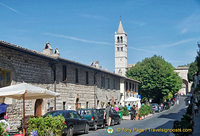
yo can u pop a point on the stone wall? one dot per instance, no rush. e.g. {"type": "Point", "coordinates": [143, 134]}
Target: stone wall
{"type": "Point", "coordinates": [38, 71]}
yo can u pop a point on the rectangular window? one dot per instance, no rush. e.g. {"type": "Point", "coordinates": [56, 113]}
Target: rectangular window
{"type": "Point", "coordinates": [5, 78]}
{"type": "Point", "coordinates": [108, 83]}
{"type": "Point", "coordinates": [64, 73]}
{"type": "Point", "coordinates": [102, 82]}
{"type": "Point", "coordinates": [87, 78]}
{"type": "Point", "coordinates": [133, 85]}
{"type": "Point", "coordinates": [48, 106]}
{"type": "Point", "coordinates": [114, 84]}
{"type": "Point", "coordinates": [95, 78]}
{"type": "Point", "coordinates": [126, 86]}
{"type": "Point", "coordinates": [130, 88]}
{"type": "Point", "coordinates": [64, 103]}
{"type": "Point", "coordinates": [76, 75]}
{"type": "Point", "coordinates": [117, 48]}
{"type": "Point", "coordinates": [136, 88]}
{"type": "Point", "coordinates": [86, 105]}
{"type": "Point", "coordinates": [54, 74]}
{"type": "Point", "coordinates": [121, 48]}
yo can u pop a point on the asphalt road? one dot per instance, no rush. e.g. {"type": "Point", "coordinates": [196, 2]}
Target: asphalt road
{"type": "Point", "coordinates": [163, 120]}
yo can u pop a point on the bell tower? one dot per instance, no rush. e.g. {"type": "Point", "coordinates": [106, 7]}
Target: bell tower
{"type": "Point", "coordinates": [120, 50]}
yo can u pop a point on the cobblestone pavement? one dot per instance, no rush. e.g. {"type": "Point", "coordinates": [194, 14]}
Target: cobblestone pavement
{"type": "Point", "coordinates": [163, 120]}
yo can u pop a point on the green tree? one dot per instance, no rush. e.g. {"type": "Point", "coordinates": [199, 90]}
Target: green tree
{"type": "Point", "coordinates": [157, 77]}
{"type": "Point", "coordinates": [193, 68]}
{"type": "Point", "coordinates": [198, 57]}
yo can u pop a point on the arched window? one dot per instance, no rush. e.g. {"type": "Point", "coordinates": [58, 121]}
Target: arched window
{"type": "Point", "coordinates": [121, 39]}
{"type": "Point", "coordinates": [118, 39]}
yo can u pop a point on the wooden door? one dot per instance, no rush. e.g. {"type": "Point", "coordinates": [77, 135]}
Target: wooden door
{"type": "Point", "coordinates": [38, 107]}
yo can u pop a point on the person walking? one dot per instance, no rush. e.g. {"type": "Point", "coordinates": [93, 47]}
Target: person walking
{"type": "Point", "coordinates": [120, 105]}
{"type": "Point", "coordinates": [129, 107]}
{"type": "Point", "coordinates": [108, 114]}
{"type": "Point", "coordinates": [133, 112]}
{"type": "Point", "coordinates": [136, 112]}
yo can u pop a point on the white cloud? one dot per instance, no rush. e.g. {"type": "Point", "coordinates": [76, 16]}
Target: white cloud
{"type": "Point", "coordinates": [76, 39]}
{"type": "Point", "coordinates": [11, 9]}
{"type": "Point", "coordinates": [183, 31]}
{"type": "Point", "coordinates": [177, 43]}
{"type": "Point", "coordinates": [190, 23]}
{"type": "Point", "coordinates": [143, 50]}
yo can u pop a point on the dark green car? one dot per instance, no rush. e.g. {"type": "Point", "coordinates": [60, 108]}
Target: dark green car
{"type": "Point", "coordinates": [95, 117]}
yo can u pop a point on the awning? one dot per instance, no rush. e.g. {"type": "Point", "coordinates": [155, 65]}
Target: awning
{"type": "Point", "coordinates": [32, 92]}
{"type": "Point", "coordinates": [132, 99]}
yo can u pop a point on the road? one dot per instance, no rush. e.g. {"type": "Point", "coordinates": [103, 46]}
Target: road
{"type": "Point", "coordinates": [163, 120]}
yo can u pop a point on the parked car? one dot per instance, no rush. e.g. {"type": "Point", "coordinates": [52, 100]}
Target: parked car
{"type": "Point", "coordinates": [155, 107]}
{"type": "Point", "coordinates": [161, 107]}
{"type": "Point", "coordinates": [115, 118]}
{"type": "Point", "coordinates": [73, 120]}
{"type": "Point", "coordinates": [95, 117]}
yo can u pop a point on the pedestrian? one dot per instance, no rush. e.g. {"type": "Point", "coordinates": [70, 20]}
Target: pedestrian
{"type": "Point", "coordinates": [116, 108]}
{"type": "Point", "coordinates": [177, 100]}
{"type": "Point", "coordinates": [107, 115]}
{"type": "Point", "coordinates": [136, 112]}
{"type": "Point", "coordinates": [119, 105]}
{"type": "Point", "coordinates": [129, 107]}
{"type": "Point", "coordinates": [133, 112]}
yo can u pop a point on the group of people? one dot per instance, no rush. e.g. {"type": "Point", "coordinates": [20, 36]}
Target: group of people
{"type": "Point", "coordinates": [134, 112]}
{"type": "Point", "coordinates": [109, 109]}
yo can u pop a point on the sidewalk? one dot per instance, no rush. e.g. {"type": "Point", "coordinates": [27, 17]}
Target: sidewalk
{"type": "Point", "coordinates": [196, 127]}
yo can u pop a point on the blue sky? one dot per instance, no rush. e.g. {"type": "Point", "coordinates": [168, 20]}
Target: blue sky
{"type": "Point", "coordinates": [83, 30]}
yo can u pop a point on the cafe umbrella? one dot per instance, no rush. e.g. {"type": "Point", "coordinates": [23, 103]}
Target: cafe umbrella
{"type": "Point", "coordinates": [26, 91]}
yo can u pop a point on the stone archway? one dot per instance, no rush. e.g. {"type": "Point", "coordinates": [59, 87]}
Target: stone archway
{"type": "Point", "coordinates": [38, 107]}
{"type": "Point", "coordinates": [183, 73]}
{"type": "Point", "coordinates": [184, 90]}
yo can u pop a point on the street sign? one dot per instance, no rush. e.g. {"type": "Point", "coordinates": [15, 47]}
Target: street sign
{"type": "Point", "coordinates": [139, 96]}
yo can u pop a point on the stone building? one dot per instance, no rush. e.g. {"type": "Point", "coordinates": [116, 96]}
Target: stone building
{"type": "Point", "coordinates": [186, 86]}
{"type": "Point", "coordinates": [80, 85]}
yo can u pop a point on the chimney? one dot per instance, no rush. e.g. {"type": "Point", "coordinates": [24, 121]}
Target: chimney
{"type": "Point", "coordinates": [47, 49]}
{"type": "Point", "coordinates": [97, 64]}
{"type": "Point", "coordinates": [92, 64]}
{"type": "Point", "coordinates": [56, 52]}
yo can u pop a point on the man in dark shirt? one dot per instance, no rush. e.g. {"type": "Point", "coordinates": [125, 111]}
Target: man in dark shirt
{"type": "Point", "coordinates": [108, 113]}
